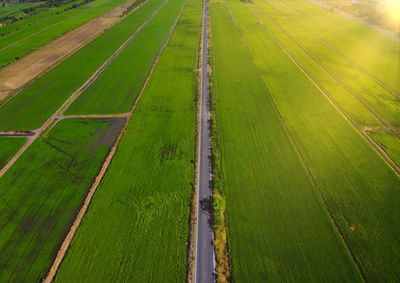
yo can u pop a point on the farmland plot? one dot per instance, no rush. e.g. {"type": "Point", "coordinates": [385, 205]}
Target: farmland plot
{"type": "Point", "coordinates": [278, 228]}
{"type": "Point", "coordinates": [136, 227]}
{"type": "Point", "coordinates": [359, 187]}
{"type": "Point", "coordinates": [42, 191]}
{"type": "Point", "coordinates": [8, 147]}
{"type": "Point", "coordinates": [21, 42]}
{"type": "Point", "coordinates": [30, 108]}
{"type": "Point", "coordinates": [117, 87]}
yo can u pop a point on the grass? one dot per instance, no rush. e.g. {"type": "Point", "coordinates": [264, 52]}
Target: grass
{"type": "Point", "coordinates": [278, 228]}
{"type": "Point", "coordinates": [42, 14]}
{"type": "Point", "coordinates": [41, 193]}
{"type": "Point", "coordinates": [139, 215]}
{"type": "Point", "coordinates": [117, 87]}
{"type": "Point", "coordinates": [389, 143]}
{"type": "Point", "coordinates": [382, 102]}
{"type": "Point", "coordinates": [8, 147]}
{"type": "Point", "coordinates": [32, 106]}
{"type": "Point", "coordinates": [24, 41]}
{"type": "Point", "coordinates": [359, 187]}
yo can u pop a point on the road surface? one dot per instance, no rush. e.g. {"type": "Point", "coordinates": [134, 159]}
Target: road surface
{"type": "Point", "coordinates": [204, 261]}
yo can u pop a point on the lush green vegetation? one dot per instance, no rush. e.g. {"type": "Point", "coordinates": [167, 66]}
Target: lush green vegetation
{"type": "Point", "coordinates": [44, 189]}
{"type": "Point", "coordinates": [33, 19]}
{"type": "Point", "coordinates": [332, 67]}
{"type": "Point", "coordinates": [136, 228]}
{"type": "Point", "coordinates": [21, 42]}
{"type": "Point", "coordinates": [359, 187]}
{"type": "Point", "coordinates": [8, 147]}
{"type": "Point", "coordinates": [389, 143]}
{"type": "Point", "coordinates": [33, 106]}
{"type": "Point", "coordinates": [117, 87]}
{"type": "Point", "coordinates": [278, 227]}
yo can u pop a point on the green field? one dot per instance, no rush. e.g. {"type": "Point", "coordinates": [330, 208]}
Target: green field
{"type": "Point", "coordinates": [136, 228]}
{"type": "Point", "coordinates": [371, 99]}
{"type": "Point", "coordinates": [389, 143]}
{"type": "Point", "coordinates": [32, 106]}
{"type": "Point", "coordinates": [359, 188]}
{"type": "Point", "coordinates": [116, 88]}
{"type": "Point", "coordinates": [44, 189]}
{"type": "Point", "coordinates": [14, 10]}
{"type": "Point", "coordinates": [278, 227]}
{"type": "Point", "coordinates": [19, 43]}
{"type": "Point", "coordinates": [41, 15]}
{"type": "Point", "coordinates": [8, 147]}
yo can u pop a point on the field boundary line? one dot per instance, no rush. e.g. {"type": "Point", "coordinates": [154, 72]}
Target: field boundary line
{"type": "Point", "coordinates": [75, 94]}
{"type": "Point", "coordinates": [11, 93]}
{"type": "Point", "coordinates": [306, 168]}
{"type": "Point", "coordinates": [332, 75]}
{"type": "Point", "coordinates": [67, 241]}
{"type": "Point", "coordinates": [357, 66]}
{"type": "Point", "coordinates": [347, 117]}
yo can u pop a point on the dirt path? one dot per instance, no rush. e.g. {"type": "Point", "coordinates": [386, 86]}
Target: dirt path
{"type": "Point", "coordinates": [330, 98]}
{"type": "Point", "coordinates": [21, 73]}
{"type": "Point", "coordinates": [67, 241]}
{"type": "Point", "coordinates": [53, 120]}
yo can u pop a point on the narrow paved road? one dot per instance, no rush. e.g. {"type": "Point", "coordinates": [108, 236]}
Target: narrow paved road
{"type": "Point", "coordinates": [205, 263]}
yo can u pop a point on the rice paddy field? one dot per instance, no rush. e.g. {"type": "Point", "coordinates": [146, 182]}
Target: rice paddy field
{"type": "Point", "coordinates": [36, 211]}
{"type": "Point", "coordinates": [20, 42]}
{"type": "Point", "coordinates": [99, 154]}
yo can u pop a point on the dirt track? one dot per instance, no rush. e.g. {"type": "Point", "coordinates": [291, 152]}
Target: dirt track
{"type": "Point", "coordinates": [15, 76]}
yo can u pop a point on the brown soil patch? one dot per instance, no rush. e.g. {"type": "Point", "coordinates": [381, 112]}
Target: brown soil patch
{"type": "Point", "coordinates": [19, 74]}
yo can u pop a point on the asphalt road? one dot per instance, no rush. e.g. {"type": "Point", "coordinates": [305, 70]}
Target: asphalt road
{"type": "Point", "coordinates": [205, 260]}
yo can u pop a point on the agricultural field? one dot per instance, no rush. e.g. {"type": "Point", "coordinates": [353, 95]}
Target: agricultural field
{"type": "Point", "coordinates": [350, 177]}
{"type": "Point", "coordinates": [198, 141]}
{"type": "Point", "coordinates": [17, 44]}
{"type": "Point", "coordinates": [36, 211]}
{"type": "Point", "coordinates": [8, 148]}
{"type": "Point", "coordinates": [136, 228]}
{"type": "Point", "coordinates": [31, 107]}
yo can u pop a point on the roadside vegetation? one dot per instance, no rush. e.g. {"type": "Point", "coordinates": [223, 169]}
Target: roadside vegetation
{"type": "Point", "coordinates": [136, 228]}
{"type": "Point", "coordinates": [32, 106]}
{"type": "Point", "coordinates": [43, 190]}
{"type": "Point", "coordinates": [8, 147]}
{"type": "Point", "coordinates": [359, 188]}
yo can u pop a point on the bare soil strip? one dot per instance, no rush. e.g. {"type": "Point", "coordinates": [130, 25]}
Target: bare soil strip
{"type": "Point", "coordinates": [67, 241]}
{"type": "Point", "coordinates": [394, 131]}
{"type": "Point", "coordinates": [21, 73]}
{"type": "Point", "coordinates": [377, 147]}
{"type": "Point", "coordinates": [323, 200]}
{"type": "Point", "coordinates": [16, 134]}
{"type": "Point", "coordinates": [55, 117]}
